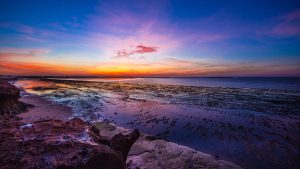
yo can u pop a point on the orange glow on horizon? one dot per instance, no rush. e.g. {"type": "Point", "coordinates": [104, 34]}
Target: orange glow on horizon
{"type": "Point", "coordinates": [134, 68]}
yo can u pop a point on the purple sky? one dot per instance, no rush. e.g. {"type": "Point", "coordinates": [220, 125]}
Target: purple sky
{"type": "Point", "coordinates": [150, 38]}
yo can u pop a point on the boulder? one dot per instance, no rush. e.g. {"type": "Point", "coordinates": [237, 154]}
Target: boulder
{"type": "Point", "coordinates": [9, 103]}
{"type": "Point", "coordinates": [56, 144]}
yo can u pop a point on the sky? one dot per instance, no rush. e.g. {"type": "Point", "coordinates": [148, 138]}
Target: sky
{"type": "Point", "coordinates": [150, 38]}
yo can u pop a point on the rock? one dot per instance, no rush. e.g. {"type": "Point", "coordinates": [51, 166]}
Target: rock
{"type": "Point", "coordinates": [118, 143]}
{"type": "Point", "coordinates": [57, 144]}
{"type": "Point", "coordinates": [160, 154]}
{"type": "Point", "coordinates": [9, 103]}
{"type": "Point", "coordinates": [54, 143]}
{"type": "Point", "coordinates": [105, 125]}
{"type": "Point", "coordinates": [149, 152]}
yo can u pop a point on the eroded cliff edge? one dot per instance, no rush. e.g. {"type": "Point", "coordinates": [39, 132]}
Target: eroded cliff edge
{"type": "Point", "coordinates": [9, 100]}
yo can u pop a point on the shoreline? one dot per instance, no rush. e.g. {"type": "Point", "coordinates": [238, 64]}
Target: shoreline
{"type": "Point", "coordinates": [248, 127]}
{"type": "Point", "coordinates": [43, 110]}
{"type": "Point", "coordinates": [147, 152]}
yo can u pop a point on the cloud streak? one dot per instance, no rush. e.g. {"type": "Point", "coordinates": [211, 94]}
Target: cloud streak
{"type": "Point", "coordinates": [289, 25]}
{"type": "Point", "coordinates": [21, 54]}
{"type": "Point", "coordinates": [139, 49]}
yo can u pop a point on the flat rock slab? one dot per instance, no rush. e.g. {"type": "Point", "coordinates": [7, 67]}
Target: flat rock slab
{"type": "Point", "coordinates": [150, 153]}
{"type": "Point", "coordinates": [160, 154]}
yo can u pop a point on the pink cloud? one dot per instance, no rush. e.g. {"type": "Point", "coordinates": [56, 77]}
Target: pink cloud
{"type": "Point", "coordinates": [139, 49]}
{"type": "Point", "coordinates": [145, 49]}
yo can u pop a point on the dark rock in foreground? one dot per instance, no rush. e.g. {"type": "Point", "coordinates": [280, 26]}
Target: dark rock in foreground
{"type": "Point", "coordinates": [53, 143]}
{"type": "Point", "coordinates": [57, 144]}
{"type": "Point", "coordinates": [9, 103]}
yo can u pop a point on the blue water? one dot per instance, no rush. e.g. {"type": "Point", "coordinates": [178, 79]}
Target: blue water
{"type": "Point", "coordinates": [279, 83]}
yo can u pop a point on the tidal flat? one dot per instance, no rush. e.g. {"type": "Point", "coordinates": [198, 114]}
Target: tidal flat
{"type": "Point", "coordinates": [251, 127]}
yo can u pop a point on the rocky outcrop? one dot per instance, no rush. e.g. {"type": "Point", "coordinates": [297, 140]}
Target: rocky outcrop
{"type": "Point", "coordinates": [9, 103]}
{"type": "Point", "coordinates": [57, 144]}
{"type": "Point", "coordinates": [148, 153]}
{"type": "Point", "coordinates": [53, 143]}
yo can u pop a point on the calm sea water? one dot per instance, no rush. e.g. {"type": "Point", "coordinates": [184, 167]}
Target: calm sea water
{"type": "Point", "coordinates": [253, 122]}
{"type": "Point", "coordinates": [281, 83]}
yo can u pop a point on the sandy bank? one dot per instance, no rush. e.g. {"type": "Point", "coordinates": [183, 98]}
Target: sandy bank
{"type": "Point", "coordinates": [44, 109]}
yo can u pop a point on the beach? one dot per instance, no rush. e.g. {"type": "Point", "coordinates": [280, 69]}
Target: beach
{"type": "Point", "coordinates": [252, 127]}
{"type": "Point", "coordinates": [147, 152]}
{"type": "Point", "coordinates": [44, 109]}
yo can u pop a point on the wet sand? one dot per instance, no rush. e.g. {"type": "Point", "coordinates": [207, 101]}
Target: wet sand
{"type": "Point", "coordinates": [44, 109]}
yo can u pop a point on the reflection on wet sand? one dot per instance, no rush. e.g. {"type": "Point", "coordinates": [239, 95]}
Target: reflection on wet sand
{"type": "Point", "coordinates": [255, 128]}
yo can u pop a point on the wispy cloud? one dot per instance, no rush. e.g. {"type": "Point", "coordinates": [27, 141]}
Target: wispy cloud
{"type": "Point", "coordinates": [40, 68]}
{"type": "Point", "coordinates": [18, 27]}
{"type": "Point", "coordinates": [22, 54]}
{"type": "Point", "coordinates": [289, 25]}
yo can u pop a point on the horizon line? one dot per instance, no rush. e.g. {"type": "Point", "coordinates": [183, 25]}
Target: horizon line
{"type": "Point", "coordinates": [75, 76]}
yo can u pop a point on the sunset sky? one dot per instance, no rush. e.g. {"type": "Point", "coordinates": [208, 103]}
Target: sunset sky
{"type": "Point", "coordinates": [150, 38]}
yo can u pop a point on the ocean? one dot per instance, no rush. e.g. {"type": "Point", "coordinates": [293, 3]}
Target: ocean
{"type": "Point", "coordinates": [253, 122]}
{"type": "Point", "coordinates": [280, 83]}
